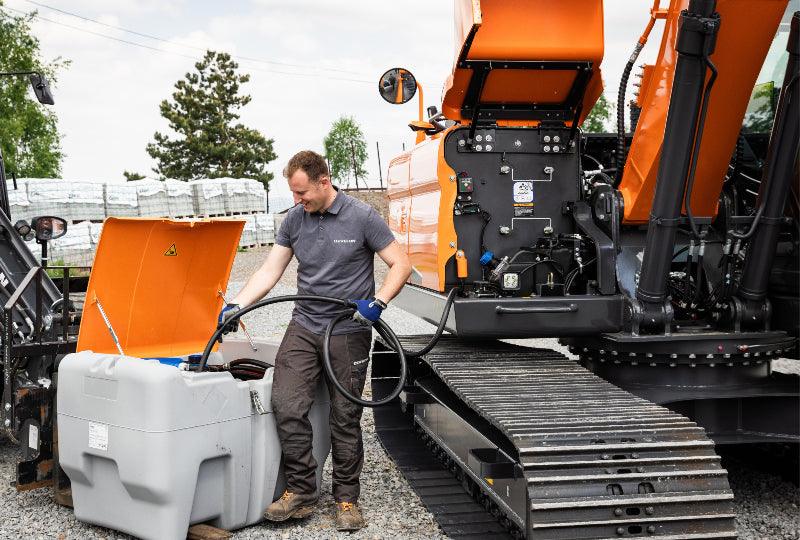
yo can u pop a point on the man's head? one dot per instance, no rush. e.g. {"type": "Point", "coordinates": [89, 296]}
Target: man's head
{"type": "Point", "coordinates": [310, 181]}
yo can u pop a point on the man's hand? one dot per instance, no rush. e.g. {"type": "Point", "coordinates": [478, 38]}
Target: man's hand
{"type": "Point", "coordinates": [224, 317]}
{"type": "Point", "coordinates": [368, 311]}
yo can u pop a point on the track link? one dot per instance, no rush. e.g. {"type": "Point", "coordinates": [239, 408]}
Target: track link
{"type": "Point", "coordinates": [599, 462]}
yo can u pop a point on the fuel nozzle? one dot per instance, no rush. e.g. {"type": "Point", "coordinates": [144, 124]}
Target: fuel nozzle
{"type": "Point", "coordinates": [497, 266]}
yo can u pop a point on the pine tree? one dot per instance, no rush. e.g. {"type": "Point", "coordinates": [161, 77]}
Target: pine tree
{"type": "Point", "coordinates": [346, 151]}
{"type": "Point", "coordinates": [210, 143]}
{"type": "Point", "coordinates": [131, 176]}
{"type": "Point", "coordinates": [29, 136]}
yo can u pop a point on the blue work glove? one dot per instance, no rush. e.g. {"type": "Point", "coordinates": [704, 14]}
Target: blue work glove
{"type": "Point", "coordinates": [368, 311]}
{"type": "Point", "coordinates": [225, 315]}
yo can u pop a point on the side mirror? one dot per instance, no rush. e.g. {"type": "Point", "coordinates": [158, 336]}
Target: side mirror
{"type": "Point", "coordinates": [48, 227]}
{"type": "Point", "coordinates": [24, 230]}
{"type": "Point", "coordinates": [397, 86]}
{"type": "Point", "coordinates": [41, 89]}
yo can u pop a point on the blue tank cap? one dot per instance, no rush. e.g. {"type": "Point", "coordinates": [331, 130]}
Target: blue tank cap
{"type": "Point", "coordinates": [486, 258]}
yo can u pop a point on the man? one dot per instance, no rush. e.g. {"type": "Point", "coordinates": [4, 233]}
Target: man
{"type": "Point", "coordinates": [334, 238]}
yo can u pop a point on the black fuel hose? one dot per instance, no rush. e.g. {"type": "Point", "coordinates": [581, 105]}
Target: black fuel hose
{"type": "Point", "coordinates": [380, 326]}
{"type": "Point", "coordinates": [386, 332]}
{"type": "Point", "coordinates": [390, 337]}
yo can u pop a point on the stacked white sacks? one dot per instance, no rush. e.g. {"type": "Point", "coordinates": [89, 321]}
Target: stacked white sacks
{"type": "Point", "coordinates": [249, 236]}
{"type": "Point", "coordinates": [122, 200]}
{"type": "Point", "coordinates": [209, 197]}
{"type": "Point", "coordinates": [86, 200]}
{"type": "Point", "coordinates": [75, 248]}
{"type": "Point", "coordinates": [257, 196]}
{"type": "Point", "coordinates": [152, 198]}
{"type": "Point", "coordinates": [265, 229]}
{"type": "Point", "coordinates": [18, 201]}
{"type": "Point", "coordinates": [49, 198]}
{"type": "Point", "coordinates": [179, 198]}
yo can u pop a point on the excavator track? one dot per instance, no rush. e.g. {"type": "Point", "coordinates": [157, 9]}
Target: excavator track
{"type": "Point", "coordinates": [556, 452]}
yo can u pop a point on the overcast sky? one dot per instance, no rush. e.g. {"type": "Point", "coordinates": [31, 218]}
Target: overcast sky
{"type": "Point", "coordinates": [317, 60]}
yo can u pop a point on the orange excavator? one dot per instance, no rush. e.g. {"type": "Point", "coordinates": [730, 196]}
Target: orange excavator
{"type": "Point", "coordinates": [664, 255]}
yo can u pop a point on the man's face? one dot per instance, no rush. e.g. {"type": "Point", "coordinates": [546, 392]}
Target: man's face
{"type": "Point", "coordinates": [312, 195]}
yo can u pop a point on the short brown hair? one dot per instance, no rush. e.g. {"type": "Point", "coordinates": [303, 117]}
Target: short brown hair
{"type": "Point", "coordinates": [311, 163]}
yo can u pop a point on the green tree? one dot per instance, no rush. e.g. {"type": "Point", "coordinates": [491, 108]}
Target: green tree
{"type": "Point", "coordinates": [760, 112]}
{"type": "Point", "coordinates": [29, 136]}
{"type": "Point", "coordinates": [598, 117]}
{"type": "Point", "coordinates": [210, 143]}
{"type": "Point", "coordinates": [130, 176]}
{"type": "Point", "coordinates": [346, 151]}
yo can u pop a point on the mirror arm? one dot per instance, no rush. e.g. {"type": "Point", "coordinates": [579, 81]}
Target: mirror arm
{"type": "Point", "coordinates": [420, 96]}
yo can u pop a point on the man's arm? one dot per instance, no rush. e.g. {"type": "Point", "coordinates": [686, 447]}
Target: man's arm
{"type": "Point", "coordinates": [262, 281]}
{"type": "Point", "coordinates": [399, 269]}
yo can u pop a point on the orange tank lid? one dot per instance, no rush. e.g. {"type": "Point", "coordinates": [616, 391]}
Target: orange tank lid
{"type": "Point", "coordinates": [158, 281]}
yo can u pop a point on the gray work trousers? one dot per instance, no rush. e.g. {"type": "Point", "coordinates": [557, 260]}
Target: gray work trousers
{"type": "Point", "coordinates": [298, 367]}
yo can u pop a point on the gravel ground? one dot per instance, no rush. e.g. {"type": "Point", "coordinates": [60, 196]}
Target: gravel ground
{"type": "Point", "coordinates": [766, 505]}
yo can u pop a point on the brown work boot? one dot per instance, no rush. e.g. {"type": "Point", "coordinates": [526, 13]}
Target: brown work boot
{"type": "Point", "coordinates": [348, 517]}
{"type": "Point", "coordinates": [291, 505]}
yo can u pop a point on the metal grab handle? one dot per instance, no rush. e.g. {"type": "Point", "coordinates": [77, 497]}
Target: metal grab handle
{"type": "Point", "coordinates": [568, 308]}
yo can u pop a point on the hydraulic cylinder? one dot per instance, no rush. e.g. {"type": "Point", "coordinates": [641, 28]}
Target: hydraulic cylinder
{"type": "Point", "coordinates": [696, 38]}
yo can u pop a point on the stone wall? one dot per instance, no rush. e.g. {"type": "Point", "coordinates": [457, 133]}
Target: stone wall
{"type": "Point", "coordinates": [374, 197]}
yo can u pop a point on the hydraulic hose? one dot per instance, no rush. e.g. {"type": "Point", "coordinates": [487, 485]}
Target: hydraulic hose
{"type": "Point", "coordinates": [698, 138]}
{"type": "Point", "coordinates": [247, 367]}
{"type": "Point", "coordinates": [621, 155]}
{"type": "Point", "coordinates": [623, 85]}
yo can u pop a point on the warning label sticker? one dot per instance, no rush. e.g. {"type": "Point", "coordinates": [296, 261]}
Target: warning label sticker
{"type": "Point", "coordinates": [523, 191]}
{"type": "Point", "coordinates": [171, 252]}
{"type": "Point", "coordinates": [98, 436]}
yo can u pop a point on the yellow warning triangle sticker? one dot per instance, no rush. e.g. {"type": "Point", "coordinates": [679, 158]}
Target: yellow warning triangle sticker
{"type": "Point", "coordinates": [171, 252]}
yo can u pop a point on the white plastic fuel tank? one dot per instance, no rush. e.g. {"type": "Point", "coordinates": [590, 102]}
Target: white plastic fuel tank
{"type": "Point", "coordinates": [151, 449]}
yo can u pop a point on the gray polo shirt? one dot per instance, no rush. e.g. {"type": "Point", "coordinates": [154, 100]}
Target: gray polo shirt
{"type": "Point", "coordinates": [335, 254]}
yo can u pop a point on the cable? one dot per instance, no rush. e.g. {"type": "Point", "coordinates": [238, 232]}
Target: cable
{"type": "Point", "coordinates": [163, 40]}
{"type": "Point", "coordinates": [556, 266]}
{"type": "Point", "coordinates": [570, 278]}
{"type": "Point", "coordinates": [439, 329]}
{"type": "Point", "coordinates": [155, 49]}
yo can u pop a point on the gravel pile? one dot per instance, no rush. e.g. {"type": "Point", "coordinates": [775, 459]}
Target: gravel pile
{"type": "Point", "coordinates": [766, 505]}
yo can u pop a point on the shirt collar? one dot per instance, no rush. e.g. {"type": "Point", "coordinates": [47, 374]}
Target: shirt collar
{"type": "Point", "coordinates": [337, 203]}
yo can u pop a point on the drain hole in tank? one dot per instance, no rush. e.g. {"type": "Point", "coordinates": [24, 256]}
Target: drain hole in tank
{"type": "Point", "coordinates": [646, 487]}
{"type": "Point", "coordinates": [623, 471]}
{"type": "Point", "coordinates": [633, 511]}
{"type": "Point", "coordinates": [620, 456]}
{"type": "Point", "coordinates": [598, 441]}
{"type": "Point", "coordinates": [614, 489]}
{"type": "Point", "coordinates": [635, 529]}
{"type": "Point", "coordinates": [627, 439]}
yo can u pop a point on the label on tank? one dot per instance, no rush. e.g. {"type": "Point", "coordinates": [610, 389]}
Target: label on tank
{"type": "Point", "coordinates": [523, 211]}
{"type": "Point", "coordinates": [523, 191]}
{"type": "Point", "coordinates": [98, 436]}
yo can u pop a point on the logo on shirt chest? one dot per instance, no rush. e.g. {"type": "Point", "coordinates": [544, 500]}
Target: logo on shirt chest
{"type": "Point", "coordinates": [344, 241]}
